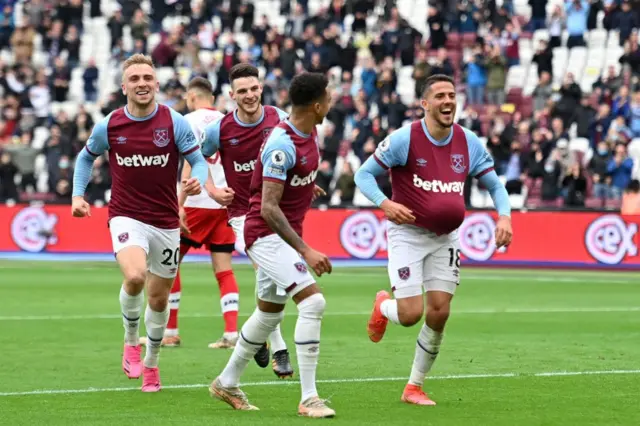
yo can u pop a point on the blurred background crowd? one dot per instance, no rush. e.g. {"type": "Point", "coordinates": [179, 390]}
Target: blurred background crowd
{"type": "Point", "coordinates": [551, 86]}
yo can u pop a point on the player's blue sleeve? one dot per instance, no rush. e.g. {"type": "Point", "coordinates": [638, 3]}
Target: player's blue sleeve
{"type": "Point", "coordinates": [365, 179]}
{"type": "Point", "coordinates": [480, 159]}
{"type": "Point", "coordinates": [184, 137]}
{"type": "Point", "coordinates": [393, 151]}
{"type": "Point", "coordinates": [199, 166]}
{"type": "Point", "coordinates": [211, 139]}
{"type": "Point", "coordinates": [278, 155]}
{"type": "Point", "coordinates": [96, 145]}
{"type": "Point", "coordinates": [282, 114]}
{"type": "Point", "coordinates": [498, 192]}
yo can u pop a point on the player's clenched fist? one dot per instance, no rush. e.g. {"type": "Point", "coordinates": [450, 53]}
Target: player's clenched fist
{"type": "Point", "coordinates": [191, 186]}
{"type": "Point", "coordinates": [397, 213]}
{"type": "Point", "coordinates": [504, 232]}
{"type": "Point", "coordinates": [79, 207]}
{"type": "Point", "coordinates": [319, 262]}
{"type": "Point", "coordinates": [222, 196]}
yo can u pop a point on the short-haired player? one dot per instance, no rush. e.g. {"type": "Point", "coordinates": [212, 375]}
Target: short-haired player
{"type": "Point", "coordinates": [430, 161]}
{"type": "Point", "coordinates": [237, 139]}
{"type": "Point", "coordinates": [282, 190]}
{"type": "Point", "coordinates": [144, 141]}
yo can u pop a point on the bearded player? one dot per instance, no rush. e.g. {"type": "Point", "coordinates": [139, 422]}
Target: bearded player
{"type": "Point", "coordinates": [429, 161]}
{"type": "Point", "coordinates": [281, 193]}
{"type": "Point", "coordinates": [237, 139]}
{"type": "Point", "coordinates": [144, 141]}
{"type": "Point", "coordinates": [203, 221]}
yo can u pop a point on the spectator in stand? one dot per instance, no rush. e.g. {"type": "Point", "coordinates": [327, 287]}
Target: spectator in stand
{"type": "Point", "coordinates": [543, 58]}
{"type": "Point", "coordinates": [535, 162]}
{"type": "Point", "coordinates": [619, 132]}
{"type": "Point", "coordinates": [574, 187]}
{"type": "Point", "coordinates": [438, 36]}
{"type": "Point", "coordinates": [600, 127]}
{"type": "Point", "coordinates": [577, 13]}
{"type": "Point", "coordinates": [538, 14]}
{"type": "Point", "coordinates": [551, 177]}
{"type": "Point", "coordinates": [557, 23]}
{"type": "Point", "coordinates": [468, 16]}
{"type": "Point", "coordinates": [626, 20]}
{"type": "Point", "coordinates": [496, 76]}
{"type": "Point", "coordinates": [345, 185]}
{"type": "Point", "coordinates": [543, 91]}
{"type": "Point", "coordinates": [90, 77]}
{"type": "Point", "coordinates": [24, 158]}
{"type": "Point", "coordinates": [620, 168]}
{"type": "Point", "coordinates": [22, 42]}
{"type": "Point", "coordinates": [8, 172]}
{"type": "Point", "coordinates": [631, 57]}
{"type": "Point", "coordinates": [634, 116]}
{"type": "Point", "coordinates": [584, 116]}
{"type": "Point", "coordinates": [442, 64]}
{"type": "Point", "coordinates": [476, 71]}
{"type": "Point", "coordinates": [515, 172]}
{"type": "Point", "coordinates": [598, 167]}
{"type": "Point", "coordinates": [469, 119]}
{"type": "Point", "coordinates": [570, 99]}
{"type": "Point", "coordinates": [60, 79]}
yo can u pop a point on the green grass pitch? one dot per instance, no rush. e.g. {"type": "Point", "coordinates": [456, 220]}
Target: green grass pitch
{"type": "Point", "coordinates": [521, 348]}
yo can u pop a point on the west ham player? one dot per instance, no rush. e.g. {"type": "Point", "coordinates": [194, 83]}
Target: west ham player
{"type": "Point", "coordinates": [203, 221]}
{"type": "Point", "coordinates": [144, 141]}
{"type": "Point", "coordinates": [281, 193]}
{"type": "Point", "coordinates": [238, 138]}
{"type": "Point", "coordinates": [429, 160]}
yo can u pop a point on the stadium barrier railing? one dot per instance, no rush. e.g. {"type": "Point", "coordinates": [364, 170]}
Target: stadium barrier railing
{"type": "Point", "coordinates": [357, 237]}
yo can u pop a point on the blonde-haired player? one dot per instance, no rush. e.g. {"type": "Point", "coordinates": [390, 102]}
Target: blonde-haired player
{"type": "Point", "coordinates": [144, 141]}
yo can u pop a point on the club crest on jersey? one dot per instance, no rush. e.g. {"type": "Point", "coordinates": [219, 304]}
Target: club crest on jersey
{"type": "Point", "coordinates": [266, 132]}
{"type": "Point", "coordinates": [124, 237]}
{"type": "Point", "coordinates": [234, 142]}
{"type": "Point", "coordinates": [457, 163]}
{"type": "Point", "coordinates": [404, 273]}
{"type": "Point", "coordinates": [161, 137]}
{"type": "Point", "coordinates": [301, 267]}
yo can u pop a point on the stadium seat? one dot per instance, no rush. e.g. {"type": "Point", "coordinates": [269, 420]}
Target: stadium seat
{"type": "Point", "coordinates": [614, 204]}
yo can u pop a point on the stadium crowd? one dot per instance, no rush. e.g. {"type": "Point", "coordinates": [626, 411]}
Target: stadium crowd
{"type": "Point", "coordinates": [561, 131]}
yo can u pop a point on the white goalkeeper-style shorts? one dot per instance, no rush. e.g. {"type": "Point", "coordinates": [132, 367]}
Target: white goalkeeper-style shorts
{"type": "Point", "coordinates": [237, 223]}
{"type": "Point", "coordinates": [162, 246]}
{"type": "Point", "coordinates": [420, 261]}
{"type": "Point", "coordinates": [281, 272]}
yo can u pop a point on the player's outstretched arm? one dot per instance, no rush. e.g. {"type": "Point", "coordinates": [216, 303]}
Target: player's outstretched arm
{"type": "Point", "coordinates": [96, 145]}
{"type": "Point", "coordinates": [277, 221]}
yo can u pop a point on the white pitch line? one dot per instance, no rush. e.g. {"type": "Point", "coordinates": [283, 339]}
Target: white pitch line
{"type": "Point", "coordinates": [331, 381]}
{"type": "Point", "coordinates": [560, 310]}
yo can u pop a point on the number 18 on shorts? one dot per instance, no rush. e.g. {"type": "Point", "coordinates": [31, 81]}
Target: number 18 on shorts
{"type": "Point", "coordinates": [421, 261]}
{"type": "Point", "coordinates": [161, 245]}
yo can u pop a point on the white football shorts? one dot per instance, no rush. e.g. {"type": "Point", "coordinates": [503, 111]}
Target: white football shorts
{"type": "Point", "coordinates": [420, 261]}
{"type": "Point", "coordinates": [281, 272]}
{"type": "Point", "coordinates": [237, 223]}
{"type": "Point", "coordinates": [161, 245]}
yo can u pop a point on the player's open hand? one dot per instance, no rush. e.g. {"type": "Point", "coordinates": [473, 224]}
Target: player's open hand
{"type": "Point", "coordinates": [222, 196]}
{"type": "Point", "coordinates": [184, 227]}
{"type": "Point", "coordinates": [191, 186]}
{"type": "Point", "coordinates": [319, 262]}
{"type": "Point", "coordinates": [318, 192]}
{"type": "Point", "coordinates": [79, 207]}
{"type": "Point", "coordinates": [397, 213]}
{"type": "Point", "coordinates": [504, 232]}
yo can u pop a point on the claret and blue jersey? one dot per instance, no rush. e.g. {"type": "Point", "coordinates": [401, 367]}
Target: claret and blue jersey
{"type": "Point", "coordinates": [428, 175]}
{"type": "Point", "coordinates": [144, 154]}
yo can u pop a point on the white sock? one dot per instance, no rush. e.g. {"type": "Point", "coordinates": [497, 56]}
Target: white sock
{"type": "Point", "coordinates": [389, 310]}
{"type": "Point", "coordinates": [252, 336]}
{"type": "Point", "coordinates": [131, 307]}
{"type": "Point", "coordinates": [427, 349]}
{"type": "Point", "coordinates": [276, 342]}
{"type": "Point", "coordinates": [231, 335]}
{"type": "Point", "coordinates": [155, 323]}
{"type": "Point", "coordinates": [307, 338]}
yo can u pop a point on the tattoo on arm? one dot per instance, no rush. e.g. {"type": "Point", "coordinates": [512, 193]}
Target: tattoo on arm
{"type": "Point", "coordinates": [275, 218]}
